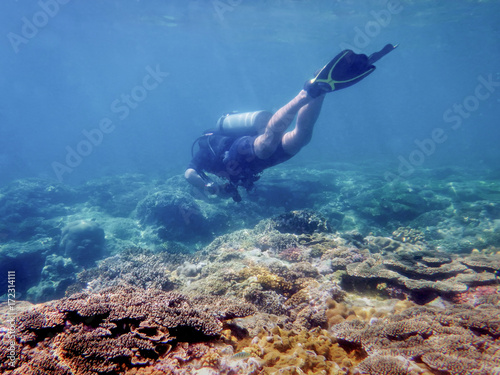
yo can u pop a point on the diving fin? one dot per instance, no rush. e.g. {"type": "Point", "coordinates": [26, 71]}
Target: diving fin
{"type": "Point", "coordinates": [374, 57]}
{"type": "Point", "coordinates": [344, 70]}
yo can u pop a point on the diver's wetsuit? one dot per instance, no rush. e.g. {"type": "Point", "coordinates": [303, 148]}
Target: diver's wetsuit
{"type": "Point", "coordinates": [234, 159]}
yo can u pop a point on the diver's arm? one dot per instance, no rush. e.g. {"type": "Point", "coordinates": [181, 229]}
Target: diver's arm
{"type": "Point", "coordinates": [194, 178]}
{"type": "Point", "coordinates": [204, 184]}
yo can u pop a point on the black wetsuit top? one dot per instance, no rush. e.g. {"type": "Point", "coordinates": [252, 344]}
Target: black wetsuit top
{"type": "Point", "coordinates": [234, 159]}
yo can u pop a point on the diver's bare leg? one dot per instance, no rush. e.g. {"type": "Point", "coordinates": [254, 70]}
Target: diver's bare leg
{"type": "Point", "coordinates": [300, 136]}
{"type": "Point", "coordinates": [265, 144]}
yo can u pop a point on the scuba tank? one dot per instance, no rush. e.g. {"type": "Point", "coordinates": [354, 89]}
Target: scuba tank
{"type": "Point", "coordinates": [235, 125]}
{"type": "Point", "coordinates": [232, 125]}
{"type": "Point", "coordinates": [240, 124]}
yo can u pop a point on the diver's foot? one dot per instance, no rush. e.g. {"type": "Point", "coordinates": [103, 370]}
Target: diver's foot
{"type": "Point", "coordinates": [344, 70]}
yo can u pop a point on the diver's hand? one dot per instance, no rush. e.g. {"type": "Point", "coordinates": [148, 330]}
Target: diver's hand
{"type": "Point", "coordinates": [225, 191]}
{"type": "Point", "coordinates": [221, 190]}
{"type": "Point", "coordinates": [212, 188]}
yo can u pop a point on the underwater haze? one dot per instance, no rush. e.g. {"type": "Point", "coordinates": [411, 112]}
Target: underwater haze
{"type": "Point", "coordinates": [375, 250]}
{"type": "Point", "coordinates": [77, 102]}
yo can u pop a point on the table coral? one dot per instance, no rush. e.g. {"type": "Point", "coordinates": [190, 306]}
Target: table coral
{"type": "Point", "coordinates": [119, 328]}
{"type": "Point", "coordinates": [388, 365]}
{"type": "Point", "coordinates": [418, 274]}
{"type": "Point", "coordinates": [458, 340]}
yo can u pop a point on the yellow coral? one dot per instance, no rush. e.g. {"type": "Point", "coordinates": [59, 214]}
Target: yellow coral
{"type": "Point", "coordinates": [306, 352]}
{"type": "Point", "coordinates": [338, 312]}
{"type": "Point", "coordinates": [382, 286]}
{"type": "Point", "coordinates": [266, 279]}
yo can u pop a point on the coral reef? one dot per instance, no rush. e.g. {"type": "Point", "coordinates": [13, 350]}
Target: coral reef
{"type": "Point", "coordinates": [301, 222]}
{"type": "Point", "coordinates": [83, 242]}
{"type": "Point", "coordinates": [26, 207]}
{"type": "Point", "coordinates": [385, 294]}
{"type": "Point", "coordinates": [418, 272]}
{"type": "Point", "coordinates": [458, 340]}
{"type": "Point", "coordinates": [304, 352]}
{"type": "Point", "coordinates": [56, 275]}
{"type": "Point", "coordinates": [410, 235]}
{"type": "Point", "coordinates": [398, 204]}
{"type": "Point", "coordinates": [134, 266]}
{"type": "Point", "coordinates": [456, 212]}
{"type": "Point", "coordinates": [28, 258]}
{"type": "Point", "coordinates": [176, 214]}
{"type": "Point", "coordinates": [117, 195]}
{"type": "Point", "coordinates": [115, 330]}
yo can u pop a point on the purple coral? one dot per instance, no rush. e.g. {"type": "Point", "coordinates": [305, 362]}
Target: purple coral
{"type": "Point", "coordinates": [116, 329]}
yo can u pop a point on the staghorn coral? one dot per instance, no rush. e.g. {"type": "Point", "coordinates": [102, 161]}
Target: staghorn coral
{"type": "Point", "coordinates": [276, 240]}
{"type": "Point", "coordinates": [341, 256]}
{"type": "Point", "coordinates": [449, 341]}
{"type": "Point", "coordinates": [119, 328]}
{"type": "Point", "coordinates": [267, 280]}
{"type": "Point", "coordinates": [267, 301]}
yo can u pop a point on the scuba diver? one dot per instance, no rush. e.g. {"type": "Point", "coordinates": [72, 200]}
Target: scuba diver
{"type": "Point", "coordinates": [243, 145]}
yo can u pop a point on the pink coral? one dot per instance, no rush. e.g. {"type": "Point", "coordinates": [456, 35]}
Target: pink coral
{"type": "Point", "coordinates": [479, 295]}
{"type": "Point", "coordinates": [291, 254]}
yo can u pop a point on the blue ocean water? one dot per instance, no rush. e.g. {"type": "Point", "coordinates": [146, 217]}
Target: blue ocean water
{"type": "Point", "coordinates": [394, 205]}
{"type": "Point", "coordinates": [102, 88]}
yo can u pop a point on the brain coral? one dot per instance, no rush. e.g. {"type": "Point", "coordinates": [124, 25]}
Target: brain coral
{"type": "Point", "coordinates": [83, 242]}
